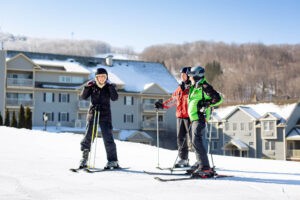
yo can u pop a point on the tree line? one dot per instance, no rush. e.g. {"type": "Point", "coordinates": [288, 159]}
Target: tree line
{"type": "Point", "coordinates": [24, 119]}
{"type": "Point", "coordinates": [242, 72]}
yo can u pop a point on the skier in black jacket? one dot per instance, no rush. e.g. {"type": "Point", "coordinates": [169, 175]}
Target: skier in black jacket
{"type": "Point", "coordinates": [100, 91]}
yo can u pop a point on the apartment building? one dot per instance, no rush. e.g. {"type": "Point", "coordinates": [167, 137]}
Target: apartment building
{"type": "Point", "coordinates": [51, 83]}
{"type": "Point", "coordinates": [256, 131]}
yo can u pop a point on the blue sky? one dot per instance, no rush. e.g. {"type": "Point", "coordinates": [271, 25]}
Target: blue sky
{"type": "Point", "coordinates": [142, 23]}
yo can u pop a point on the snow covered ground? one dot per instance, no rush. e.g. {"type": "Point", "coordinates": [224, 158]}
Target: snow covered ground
{"type": "Point", "coordinates": [35, 165]}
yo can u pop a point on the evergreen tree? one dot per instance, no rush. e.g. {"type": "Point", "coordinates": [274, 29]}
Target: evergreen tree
{"type": "Point", "coordinates": [21, 117]}
{"type": "Point", "coordinates": [1, 120]}
{"type": "Point", "coordinates": [7, 118]}
{"type": "Point", "coordinates": [14, 122]}
{"type": "Point", "coordinates": [28, 118]}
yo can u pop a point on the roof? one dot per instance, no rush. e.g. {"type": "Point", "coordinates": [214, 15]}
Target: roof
{"type": "Point", "coordinates": [294, 134]}
{"type": "Point", "coordinates": [249, 111]}
{"type": "Point", "coordinates": [139, 75]}
{"type": "Point", "coordinates": [69, 65]}
{"type": "Point", "coordinates": [126, 134]}
{"type": "Point", "coordinates": [258, 111]}
{"type": "Point", "coordinates": [130, 75]}
{"type": "Point", "coordinates": [238, 143]}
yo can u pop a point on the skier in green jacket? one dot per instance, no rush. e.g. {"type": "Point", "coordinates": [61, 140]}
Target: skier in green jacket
{"type": "Point", "coordinates": [202, 97]}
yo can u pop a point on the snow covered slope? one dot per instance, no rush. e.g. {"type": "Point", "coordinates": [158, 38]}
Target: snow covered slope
{"type": "Point", "coordinates": [35, 166]}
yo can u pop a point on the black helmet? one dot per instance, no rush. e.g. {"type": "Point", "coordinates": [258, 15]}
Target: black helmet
{"type": "Point", "coordinates": [101, 71]}
{"type": "Point", "coordinates": [197, 72]}
{"type": "Point", "coordinates": [185, 70]}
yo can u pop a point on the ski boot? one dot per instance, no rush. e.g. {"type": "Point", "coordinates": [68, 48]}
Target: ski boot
{"type": "Point", "coordinates": [182, 163]}
{"type": "Point", "coordinates": [194, 167]}
{"type": "Point", "coordinates": [112, 165]}
{"type": "Point", "coordinates": [85, 157]}
{"type": "Point", "coordinates": [203, 172]}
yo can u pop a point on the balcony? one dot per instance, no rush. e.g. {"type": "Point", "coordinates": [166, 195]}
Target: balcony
{"type": "Point", "coordinates": [151, 108]}
{"type": "Point", "coordinates": [293, 154]}
{"type": "Point", "coordinates": [18, 102]}
{"type": "Point", "coordinates": [151, 125]}
{"type": "Point", "coordinates": [19, 82]}
{"type": "Point", "coordinates": [84, 105]}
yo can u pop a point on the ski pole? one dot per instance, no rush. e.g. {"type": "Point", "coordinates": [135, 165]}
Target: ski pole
{"type": "Point", "coordinates": [157, 138]}
{"type": "Point", "coordinates": [209, 142]}
{"type": "Point", "coordinates": [96, 137]}
{"type": "Point", "coordinates": [180, 148]}
{"type": "Point", "coordinates": [93, 133]}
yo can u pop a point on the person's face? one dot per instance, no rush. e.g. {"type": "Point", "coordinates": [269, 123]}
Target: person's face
{"type": "Point", "coordinates": [101, 78]}
{"type": "Point", "coordinates": [183, 77]}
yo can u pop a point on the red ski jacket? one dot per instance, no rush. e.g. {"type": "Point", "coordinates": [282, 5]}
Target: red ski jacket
{"type": "Point", "coordinates": [180, 100]}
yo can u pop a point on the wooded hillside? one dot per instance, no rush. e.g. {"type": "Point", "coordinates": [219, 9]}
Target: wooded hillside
{"type": "Point", "coordinates": [243, 73]}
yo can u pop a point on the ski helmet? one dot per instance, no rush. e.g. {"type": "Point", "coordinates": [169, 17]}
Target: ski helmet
{"type": "Point", "coordinates": [197, 72]}
{"type": "Point", "coordinates": [101, 71]}
{"type": "Point", "coordinates": [185, 70]}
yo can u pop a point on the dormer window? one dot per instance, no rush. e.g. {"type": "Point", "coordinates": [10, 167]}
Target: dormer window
{"type": "Point", "coordinates": [269, 129]}
{"type": "Point", "coordinates": [268, 125]}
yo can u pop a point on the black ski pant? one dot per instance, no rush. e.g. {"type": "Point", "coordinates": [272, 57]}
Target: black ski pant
{"type": "Point", "coordinates": [109, 143]}
{"type": "Point", "coordinates": [198, 132]}
{"type": "Point", "coordinates": [183, 137]}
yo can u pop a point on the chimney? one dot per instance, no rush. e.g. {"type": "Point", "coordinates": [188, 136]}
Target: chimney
{"type": "Point", "coordinates": [108, 60]}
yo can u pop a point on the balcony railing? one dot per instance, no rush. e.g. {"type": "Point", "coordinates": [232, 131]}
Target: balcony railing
{"type": "Point", "coordinates": [148, 107]}
{"type": "Point", "coordinates": [18, 102]}
{"type": "Point", "coordinates": [83, 104]}
{"type": "Point", "coordinates": [153, 125]}
{"type": "Point", "coordinates": [293, 153]}
{"type": "Point", "coordinates": [21, 82]}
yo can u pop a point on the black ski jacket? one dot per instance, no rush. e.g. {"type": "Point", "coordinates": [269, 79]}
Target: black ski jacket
{"type": "Point", "coordinates": [100, 100]}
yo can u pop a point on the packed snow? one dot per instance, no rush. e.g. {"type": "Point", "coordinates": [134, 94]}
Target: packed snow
{"type": "Point", "coordinates": [35, 166]}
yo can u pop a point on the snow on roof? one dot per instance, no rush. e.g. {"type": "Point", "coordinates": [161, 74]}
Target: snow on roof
{"type": "Point", "coordinates": [125, 134]}
{"type": "Point", "coordinates": [137, 75]}
{"type": "Point", "coordinates": [118, 56]}
{"type": "Point", "coordinates": [294, 134]}
{"type": "Point", "coordinates": [250, 111]}
{"type": "Point", "coordinates": [70, 65]}
{"type": "Point", "coordinates": [260, 109]}
{"type": "Point", "coordinates": [239, 144]}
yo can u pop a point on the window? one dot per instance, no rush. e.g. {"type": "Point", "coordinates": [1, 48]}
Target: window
{"type": "Point", "coordinates": [128, 118]}
{"type": "Point", "coordinates": [226, 126]}
{"type": "Point", "coordinates": [270, 145]}
{"type": "Point", "coordinates": [50, 116]}
{"type": "Point", "coordinates": [250, 143]}
{"type": "Point", "coordinates": [250, 126]}
{"type": "Point", "coordinates": [268, 125]}
{"type": "Point", "coordinates": [234, 126]}
{"type": "Point", "coordinates": [64, 98]}
{"type": "Point", "coordinates": [128, 100]}
{"type": "Point", "coordinates": [242, 126]}
{"type": "Point", "coordinates": [71, 79]}
{"type": "Point", "coordinates": [63, 117]}
{"type": "Point", "coordinates": [48, 97]}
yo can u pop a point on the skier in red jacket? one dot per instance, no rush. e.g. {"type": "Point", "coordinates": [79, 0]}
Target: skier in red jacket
{"type": "Point", "coordinates": [180, 100]}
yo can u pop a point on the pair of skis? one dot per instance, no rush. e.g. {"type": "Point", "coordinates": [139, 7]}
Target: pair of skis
{"type": "Point", "coordinates": [187, 175]}
{"type": "Point", "coordinates": [94, 170]}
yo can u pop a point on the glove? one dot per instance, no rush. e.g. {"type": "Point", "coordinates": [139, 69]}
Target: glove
{"type": "Point", "coordinates": [205, 105]}
{"type": "Point", "coordinates": [91, 83]}
{"type": "Point", "coordinates": [159, 105]}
